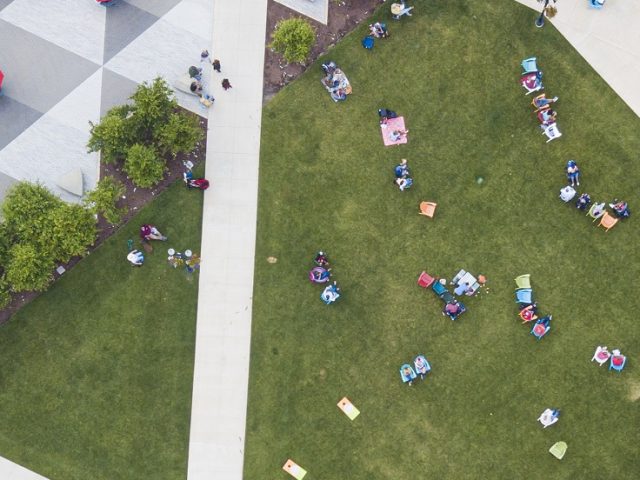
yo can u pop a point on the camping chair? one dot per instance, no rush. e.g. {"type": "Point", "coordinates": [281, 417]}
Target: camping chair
{"type": "Point", "coordinates": [552, 132]}
{"type": "Point", "coordinates": [461, 309]}
{"type": "Point", "coordinates": [528, 313]}
{"type": "Point", "coordinates": [597, 4]}
{"type": "Point", "coordinates": [529, 65]}
{"type": "Point", "coordinates": [523, 281]}
{"type": "Point", "coordinates": [330, 294]}
{"type": "Point", "coordinates": [421, 365]}
{"type": "Point", "coordinates": [601, 356]}
{"type": "Point", "coordinates": [425, 280]}
{"type": "Point", "coordinates": [558, 450]}
{"type": "Point", "coordinates": [567, 193]}
{"type": "Point", "coordinates": [400, 9]}
{"type": "Point", "coordinates": [428, 209]}
{"type": "Point", "coordinates": [541, 327]}
{"type": "Point", "coordinates": [439, 289]}
{"type": "Point", "coordinates": [549, 417]}
{"type": "Point", "coordinates": [599, 210]}
{"type": "Point", "coordinates": [607, 221]}
{"type": "Point", "coordinates": [618, 361]}
{"type": "Point", "coordinates": [524, 296]}
{"type": "Point", "coordinates": [532, 82]}
{"type": "Point", "coordinates": [537, 100]}
{"type": "Point", "coordinates": [368, 42]}
{"type": "Point", "coordinates": [407, 374]}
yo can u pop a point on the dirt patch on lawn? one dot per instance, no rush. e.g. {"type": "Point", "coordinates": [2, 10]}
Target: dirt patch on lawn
{"type": "Point", "coordinates": [133, 199]}
{"type": "Point", "coordinates": [343, 17]}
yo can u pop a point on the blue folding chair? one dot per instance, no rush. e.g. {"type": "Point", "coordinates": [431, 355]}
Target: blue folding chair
{"type": "Point", "coordinates": [421, 365]}
{"type": "Point", "coordinates": [438, 288]}
{"type": "Point", "coordinates": [524, 296]}
{"type": "Point", "coordinates": [407, 373]}
{"type": "Point", "coordinates": [617, 368]}
{"type": "Point", "coordinates": [529, 65]}
{"type": "Point", "coordinates": [368, 42]}
{"type": "Point", "coordinates": [541, 327]}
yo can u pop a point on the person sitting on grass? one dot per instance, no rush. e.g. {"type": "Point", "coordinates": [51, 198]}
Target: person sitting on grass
{"type": "Point", "coordinates": [403, 183]}
{"type": "Point", "coordinates": [542, 101]}
{"type": "Point", "coordinates": [583, 201]}
{"type": "Point", "coordinates": [321, 259]}
{"type": "Point", "coordinates": [452, 309]}
{"type": "Point", "coordinates": [398, 135]}
{"type": "Point", "coordinates": [402, 169]}
{"type": "Point", "coordinates": [620, 208]}
{"type": "Point", "coordinates": [547, 117]}
{"type": "Point", "coordinates": [385, 114]}
{"type": "Point", "coordinates": [379, 30]}
{"type": "Point", "coordinates": [150, 232]}
{"type": "Point", "coordinates": [136, 257]}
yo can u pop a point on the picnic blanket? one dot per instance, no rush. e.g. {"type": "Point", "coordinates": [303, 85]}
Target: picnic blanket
{"type": "Point", "coordinates": [391, 125]}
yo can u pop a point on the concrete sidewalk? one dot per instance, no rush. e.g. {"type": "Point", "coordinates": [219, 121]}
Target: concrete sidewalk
{"type": "Point", "coordinates": [13, 471]}
{"type": "Point", "coordinates": [608, 38]}
{"type": "Point", "coordinates": [223, 335]}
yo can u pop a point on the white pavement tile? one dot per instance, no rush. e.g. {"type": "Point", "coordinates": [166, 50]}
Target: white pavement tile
{"type": "Point", "coordinates": [75, 25]}
{"type": "Point", "coordinates": [47, 150]}
{"type": "Point", "coordinates": [81, 105]}
{"type": "Point", "coordinates": [162, 50]}
{"type": "Point", "coordinates": [193, 15]}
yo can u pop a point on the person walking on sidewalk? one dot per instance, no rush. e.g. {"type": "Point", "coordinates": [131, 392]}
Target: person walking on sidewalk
{"type": "Point", "coordinates": [216, 65]}
{"type": "Point", "coordinates": [225, 84]}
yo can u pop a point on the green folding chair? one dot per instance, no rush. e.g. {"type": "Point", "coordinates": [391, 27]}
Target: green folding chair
{"type": "Point", "coordinates": [523, 281]}
{"type": "Point", "coordinates": [558, 450]}
{"type": "Point", "coordinates": [600, 211]}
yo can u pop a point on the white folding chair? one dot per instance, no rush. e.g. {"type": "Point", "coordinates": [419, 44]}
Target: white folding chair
{"type": "Point", "coordinates": [552, 132]}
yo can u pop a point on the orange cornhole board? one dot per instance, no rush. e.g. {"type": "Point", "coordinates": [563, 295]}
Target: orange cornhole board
{"type": "Point", "coordinates": [293, 469]}
{"type": "Point", "coordinates": [347, 407]}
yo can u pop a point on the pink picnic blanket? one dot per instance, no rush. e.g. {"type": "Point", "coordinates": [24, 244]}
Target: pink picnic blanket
{"type": "Point", "coordinates": [388, 128]}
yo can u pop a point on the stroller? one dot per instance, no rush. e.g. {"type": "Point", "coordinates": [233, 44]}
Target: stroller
{"type": "Point", "coordinates": [190, 182]}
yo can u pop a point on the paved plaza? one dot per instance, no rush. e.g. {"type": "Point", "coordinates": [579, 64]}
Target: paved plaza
{"type": "Point", "coordinates": [67, 62]}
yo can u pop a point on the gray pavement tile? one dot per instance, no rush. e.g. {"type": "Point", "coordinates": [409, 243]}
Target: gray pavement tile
{"type": "Point", "coordinates": [156, 7]}
{"type": "Point", "coordinates": [15, 117]}
{"type": "Point", "coordinates": [4, 3]}
{"type": "Point", "coordinates": [5, 184]}
{"type": "Point", "coordinates": [38, 73]}
{"type": "Point", "coordinates": [116, 90]}
{"type": "Point", "coordinates": [125, 23]}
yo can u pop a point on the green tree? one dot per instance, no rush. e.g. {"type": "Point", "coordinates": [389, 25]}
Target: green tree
{"type": "Point", "coordinates": [73, 229]}
{"type": "Point", "coordinates": [104, 199]}
{"type": "Point", "coordinates": [293, 39]}
{"type": "Point", "coordinates": [113, 136]}
{"type": "Point", "coordinates": [28, 269]}
{"type": "Point", "coordinates": [153, 104]}
{"type": "Point", "coordinates": [143, 166]}
{"type": "Point", "coordinates": [27, 209]}
{"type": "Point", "coordinates": [180, 134]}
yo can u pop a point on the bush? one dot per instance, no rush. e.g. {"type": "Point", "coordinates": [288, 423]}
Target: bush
{"type": "Point", "coordinates": [74, 228]}
{"type": "Point", "coordinates": [113, 135]}
{"type": "Point", "coordinates": [143, 166]}
{"type": "Point", "coordinates": [27, 209]}
{"type": "Point", "coordinates": [293, 39]}
{"type": "Point", "coordinates": [180, 134]}
{"type": "Point", "coordinates": [104, 198]}
{"type": "Point", "coordinates": [28, 269]}
{"type": "Point", "coordinates": [150, 121]}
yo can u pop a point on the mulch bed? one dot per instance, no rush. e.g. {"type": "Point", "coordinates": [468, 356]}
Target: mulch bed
{"type": "Point", "coordinates": [344, 16]}
{"type": "Point", "coordinates": [133, 199]}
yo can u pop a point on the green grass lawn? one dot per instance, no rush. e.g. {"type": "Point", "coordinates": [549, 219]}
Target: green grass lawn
{"type": "Point", "coordinates": [97, 373]}
{"type": "Point", "coordinates": [326, 183]}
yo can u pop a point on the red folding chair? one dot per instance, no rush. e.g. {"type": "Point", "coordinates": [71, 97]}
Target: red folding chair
{"type": "Point", "coordinates": [425, 280]}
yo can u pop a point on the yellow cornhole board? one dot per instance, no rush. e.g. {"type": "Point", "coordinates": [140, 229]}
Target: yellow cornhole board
{"type": "Point", "coordinates": [347, 407]}
{"type": "Point", "coordinates": [293, 469]}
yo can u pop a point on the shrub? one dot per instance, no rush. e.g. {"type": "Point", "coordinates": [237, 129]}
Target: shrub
{"type": "Point", "coordinates": [27, 209]}
{"type": "Point", "coordinates": [180, 134]}
{"type": "Point", "coordinates": [104, 198]}
{"type": "Point", "coordinates": [293, 39]}
{"type": "Point", "coordinates": [28, 269]}
{"type": "Point", "coordinates": [113, 135]}
{"type": "Point", "coordinates": [153, 104]}
{"type": "Point", "coordinates": [143, 166]}
{"type": "Point", "coordinates": [73, 229]}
